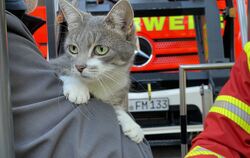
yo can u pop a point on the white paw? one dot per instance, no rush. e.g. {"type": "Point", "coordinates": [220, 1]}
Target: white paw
{"type": "Point", "coordinates": [75, 94]}
{"type": "Point", "coordinates": [75, 91]}
{"type": "Point", "coordinates": [129, 126]}
{"type": "Point", "coordinates": [133, 131]}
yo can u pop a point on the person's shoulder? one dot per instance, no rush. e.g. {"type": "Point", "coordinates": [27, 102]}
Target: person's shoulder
{"type": "Point", "coordinates": [16, 26]}
{"type": "Point", "coordinates": [15, 5]}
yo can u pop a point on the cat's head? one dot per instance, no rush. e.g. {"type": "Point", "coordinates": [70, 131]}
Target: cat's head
{"type": "Point", "coordinates": [99, 45]}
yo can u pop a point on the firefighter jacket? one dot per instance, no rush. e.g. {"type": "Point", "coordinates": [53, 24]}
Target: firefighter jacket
{"type": "Point", "coordinates": [227, 126]}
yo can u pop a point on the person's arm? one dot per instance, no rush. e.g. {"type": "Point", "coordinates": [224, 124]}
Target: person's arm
{"type": "Point", "coordinates": [227, 126]}
{"type": "Point", "coordinates": [46, 125]}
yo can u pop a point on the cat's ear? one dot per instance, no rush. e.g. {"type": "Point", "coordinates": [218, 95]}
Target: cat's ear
{"type": "Point", "coordinates": [71, 14]}
{"type": "Point", "coordinates": [121, 17]}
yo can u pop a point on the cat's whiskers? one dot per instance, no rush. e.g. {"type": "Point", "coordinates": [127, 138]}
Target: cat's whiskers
{"type": "Point", "coordinates": [100, 83]}
{"type": "Point", "coordinates": [114, 73]}
{"type": "Point", "coordinates": [105, 88]}
{"type": "Point", "coordinates": [116, 82]}
{"type": "Point", "coordinates": [132, 78]}
{"type": "Point", "coordinates": [117, 73]}
{"type": "Point", "coordinates": [111, 78]}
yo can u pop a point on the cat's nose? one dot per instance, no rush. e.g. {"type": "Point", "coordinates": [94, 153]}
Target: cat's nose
{"type": "Point", "coordinates": [80, 68]}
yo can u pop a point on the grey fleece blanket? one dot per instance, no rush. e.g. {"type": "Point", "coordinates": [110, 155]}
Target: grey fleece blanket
{"type": "Point", "coordinates": [46, 125]}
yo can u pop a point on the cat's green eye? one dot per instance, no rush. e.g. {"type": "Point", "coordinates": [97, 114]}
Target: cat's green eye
{"type": "Point", "coordinates": [73, 49]}
{"type": "Point", "coordinates": [101, 50]}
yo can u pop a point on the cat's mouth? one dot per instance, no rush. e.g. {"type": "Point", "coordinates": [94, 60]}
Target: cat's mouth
{"type": "Point", "coordinates": [86, 74]}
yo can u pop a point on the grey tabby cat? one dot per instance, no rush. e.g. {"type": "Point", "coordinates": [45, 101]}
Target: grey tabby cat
{"type": "Point", "coordinates": [99, 54]}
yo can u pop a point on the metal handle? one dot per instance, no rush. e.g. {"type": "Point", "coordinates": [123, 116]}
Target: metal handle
{"type": "Point", "coordinates": [183, 105]}
{"type": "Point", "coordinates": [243, 21]}
{"type": "Point", "coordinates": [51, 26]}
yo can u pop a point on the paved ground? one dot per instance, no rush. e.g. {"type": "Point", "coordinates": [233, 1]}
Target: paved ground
{"type": "Point", "coordinates": [167, 152]}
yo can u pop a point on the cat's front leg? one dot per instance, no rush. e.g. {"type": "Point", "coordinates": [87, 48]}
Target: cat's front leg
{"type": "Point", "coordinates": [129, 126]}
{"type": "Point", "coordinates": [75, 90]}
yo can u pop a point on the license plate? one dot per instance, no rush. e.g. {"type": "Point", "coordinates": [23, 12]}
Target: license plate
{"type": "Point", "coordinates": [157, 104]}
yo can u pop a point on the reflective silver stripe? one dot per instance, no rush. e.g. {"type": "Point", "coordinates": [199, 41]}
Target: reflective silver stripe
{"type": "Point", "coordinates": [239, 112]}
